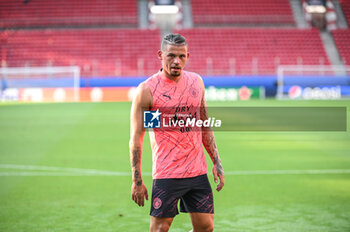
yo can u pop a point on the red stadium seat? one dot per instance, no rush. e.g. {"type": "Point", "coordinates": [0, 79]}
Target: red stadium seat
{"type": "Point", "coordinates": [131, 52]}
{"type": "Point", "coordinates": [346, 9]}
{"type": "Point", "coordinates": [99, 52]}
{"type": "Point", "coordinates": [342, 40]}
{"type": "Point", "coordinates": [247, 51]}
{"type": "Point", "coordinates": [247, 11]}
{"type": "Point", "coordinates": [43, 13]}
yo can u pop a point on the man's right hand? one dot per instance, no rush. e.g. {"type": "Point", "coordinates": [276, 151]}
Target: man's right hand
{"type": "Point", "coordinates": [139, 193]}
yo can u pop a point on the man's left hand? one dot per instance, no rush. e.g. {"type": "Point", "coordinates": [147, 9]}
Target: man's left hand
{"type": "Point", "coordinates": [218, 173]}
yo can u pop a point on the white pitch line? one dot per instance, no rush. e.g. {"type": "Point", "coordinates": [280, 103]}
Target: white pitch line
{"type": "Point", "coordinates": [68, 174]}
{"type": "Point", "coordinates": [60, 171]}
{"type": "Point", "coordinates": [42, 174]}
{"type": "Point", "coordinates": [75, 171]}
{"type": "Point", "coordinates": [288, 172]}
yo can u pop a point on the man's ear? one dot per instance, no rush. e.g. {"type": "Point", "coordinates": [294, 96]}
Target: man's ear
{"type": "Point", "coordinates": [188, 55]}
{"type": "Point", "coordinates": [160, 54]}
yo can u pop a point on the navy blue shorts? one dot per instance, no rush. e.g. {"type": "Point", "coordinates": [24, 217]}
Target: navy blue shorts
{"type": "Point", "coordinates": [195, 195]}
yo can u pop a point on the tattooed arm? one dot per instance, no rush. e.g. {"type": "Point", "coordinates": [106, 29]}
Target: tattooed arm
{"type": "Point", "coordinates": [209, 143]}
{"type": "Point", "coordinates": [141, 101]}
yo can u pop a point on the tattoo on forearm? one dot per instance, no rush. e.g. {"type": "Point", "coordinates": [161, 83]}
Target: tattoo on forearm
{"type": "Point", "coordinates": [137, 174]}
{"type": "Point", "coordinates": [219, 168]}
{"type": "Point", "coordinates": [208, 140]}
{"type": "Point", "coordinates": [137, 177]}
{"type": "Point", "coordinates": [135, 163]}
{"type": "Point", "coordinates": [136, 154]}
{"type": "Point", "coordinates": [210, 145]}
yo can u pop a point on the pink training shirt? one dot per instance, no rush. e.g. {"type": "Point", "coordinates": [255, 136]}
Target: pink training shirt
{"type": "Point", "coordinates": [176, 154]}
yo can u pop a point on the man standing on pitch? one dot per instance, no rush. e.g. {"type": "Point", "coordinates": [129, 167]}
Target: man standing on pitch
{"type": "Point", "coordinates": [179, 164]}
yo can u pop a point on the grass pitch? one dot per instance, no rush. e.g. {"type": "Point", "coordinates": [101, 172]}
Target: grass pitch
{"type": "Point", "coordinates": [56, 162]}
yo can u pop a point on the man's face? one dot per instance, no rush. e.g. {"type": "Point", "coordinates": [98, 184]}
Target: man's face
{"type": "Point", "coordinates": [174, 58]}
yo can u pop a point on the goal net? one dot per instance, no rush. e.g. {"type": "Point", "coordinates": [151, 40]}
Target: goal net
{"type": "Point", "coordinates": [313, 82]}
{"type": "Point", "coordinates": [38, 84]}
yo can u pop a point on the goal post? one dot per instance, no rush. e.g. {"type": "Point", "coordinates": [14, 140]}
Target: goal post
{"type": "Point", "coordinates": [41, 77]}
{"type": "Point", "coordinates": [313, 82]}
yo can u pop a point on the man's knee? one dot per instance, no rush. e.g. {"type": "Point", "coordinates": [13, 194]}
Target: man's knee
{"type": "Point", "coordinates": [158, 225]}
{"type": "Point", "coordinates": [209, 228]}
{"type": "Point", "coordinates": [205, 227]}
{"type": "Point", "coordinates": [202, 222]}
{"type": "Point", "coordinates": [160, 228]}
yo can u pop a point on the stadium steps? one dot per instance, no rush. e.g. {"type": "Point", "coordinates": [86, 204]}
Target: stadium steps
{"type": "Point", "coordinates": [298, 14]}
{"type": "Point", "coordinates": [346, 9]}
{"type": "Point", "coordinates": [341, 37]}
{"type": "Point", "coordinates": [187, 14]}
{"type": "Point", "coordinates": [331, 50]}
{"type": "Point", "coordinates": [143, 14]}
{"type": "Point", "coordinates": [341, 20]}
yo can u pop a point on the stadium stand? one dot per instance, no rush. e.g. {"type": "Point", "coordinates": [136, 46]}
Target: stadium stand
{"type": "Point", "coordinates": [216, 12]}
{"type": "Point", "coordinates": [99, 52]}
{"type": "Point", "coordinates": [342, 40]}
{"type": "Point", "coordinates": [118, 52]}
{"type": "Point", "coordinates": [346, 9]}
{"type": "Point", "coordinates": [233, 50]}
{"type": "Point", "coordinates": [43, 13]}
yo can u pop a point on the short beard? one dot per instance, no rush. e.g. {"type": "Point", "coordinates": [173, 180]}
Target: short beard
{"type": "Point", "coordinates": [175, 75]}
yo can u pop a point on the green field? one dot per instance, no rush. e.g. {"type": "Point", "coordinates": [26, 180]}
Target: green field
{"type": "Point", "coordinates": [65, 167]}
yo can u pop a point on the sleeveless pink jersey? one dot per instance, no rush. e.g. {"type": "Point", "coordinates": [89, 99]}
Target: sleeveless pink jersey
{"type": "Point", "coordinates": [176, 154]}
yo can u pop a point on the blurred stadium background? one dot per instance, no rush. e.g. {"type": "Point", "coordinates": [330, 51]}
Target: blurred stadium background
{"type": "Point", "coordinates": [64, 165]}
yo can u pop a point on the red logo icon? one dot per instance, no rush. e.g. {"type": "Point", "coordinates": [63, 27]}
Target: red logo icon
{"type": "Point", "coordinates": [294, 92]}
{"type": "Point", "coordinates": [244, 93]}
